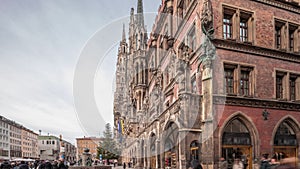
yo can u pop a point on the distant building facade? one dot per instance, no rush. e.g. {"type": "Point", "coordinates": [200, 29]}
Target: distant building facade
{"type": "Point", "coordinates": [15, 140]}
{"type": "Point", "coordinates": [92, 143]}
{"type": "Point", "coordinates": [4, 138]}
{"type": "Point", "coordinates": [70, 151]}
{"type": "Point", "coordinates": [29, 144]}
{"type": "Point", "coordinates": [49, 147]}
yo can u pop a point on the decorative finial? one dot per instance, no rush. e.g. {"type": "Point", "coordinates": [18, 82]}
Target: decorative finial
{"type": "Point", "coordinates": [140, 13]}
{"type": "Point", "coordinates": [123, 34]}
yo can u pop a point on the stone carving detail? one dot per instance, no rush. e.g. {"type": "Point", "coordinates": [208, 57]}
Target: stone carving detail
{"type": "Point", "coordinates": [146, 103]}
{"type": "Point", "coordinates": [180, 74]}
{"type": "Point", "coordinates": [207, 19]}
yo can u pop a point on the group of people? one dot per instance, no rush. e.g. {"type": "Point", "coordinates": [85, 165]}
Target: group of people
{"type": "Point", "coordinates": [285, 163]}
{"type": "Point", "coordinates": [265, 163]}
{"type": "Point", "coordinates": [43, 164]}
{"type": "Point", "coordinates": [129, 165]}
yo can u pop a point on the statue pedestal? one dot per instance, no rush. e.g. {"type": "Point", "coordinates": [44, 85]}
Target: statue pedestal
{"type": "Point", "coordinates": [86, 158]}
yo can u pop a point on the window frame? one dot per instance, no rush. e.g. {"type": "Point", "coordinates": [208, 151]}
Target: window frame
{"type": "Point", "coordinates": [245, 17]}
{"type": "Point", "coordinates": [192, 38]}
{"type": "Point", "coordinates": [227, 26]}
{"type": "Point", "coordinates": [237, 86]}
{"type": "Point", "coordinates": [246, 80]}
{"type": "Point", "coordinates": [279, 83]}
{"type": "Point", "coordinates": [229, 78]}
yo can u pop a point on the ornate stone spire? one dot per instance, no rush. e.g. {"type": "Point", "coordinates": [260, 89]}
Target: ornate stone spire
{"type": "Point", "coordinates": [123, 34]}
{"type": "Point", "coordinates": [140, 13]}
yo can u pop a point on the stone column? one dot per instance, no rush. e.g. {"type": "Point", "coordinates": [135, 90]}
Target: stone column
{"type": "Point", "coordinates": [145, 156]}
{"type": "Point", "coordinates": [138, 156]}
{"type": "Point", "coordinates": [182, 150]}
{"type": "Point", "coordinates": [162, 153]}
{"type": "Point", "coordinates": [157, 159]}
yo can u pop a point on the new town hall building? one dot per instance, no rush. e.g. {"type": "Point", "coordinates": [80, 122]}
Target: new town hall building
{"type": "Point", "coordinates": [215, 78]}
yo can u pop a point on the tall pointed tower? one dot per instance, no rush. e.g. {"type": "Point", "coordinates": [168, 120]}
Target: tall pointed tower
{"type": "Point", "coordinates": [131, 80]}
{"type": "Point", "coordinates": [120, 95]}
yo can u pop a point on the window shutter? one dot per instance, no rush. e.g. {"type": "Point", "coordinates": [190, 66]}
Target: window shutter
{"type": "Point", "coordinates": [297, 40]}
{"type": "Point", "coordinates": [298, 88]}
{"type": "Point", "coordinates": [284, 36]}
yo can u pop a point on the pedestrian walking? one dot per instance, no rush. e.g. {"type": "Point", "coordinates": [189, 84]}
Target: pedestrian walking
{"type": "Point", "coordinates": [48, 165]}
{"type": "Point", "coordinates": [223, 163]}
{"type": "Point", "coordinates": [264, 163]}
{"type": "Point", "coordinates": [5, 165]}
{"type": "Point", "coordinates": [237, 164]}
{"type": "Point", "coordinates": [124, 165]}
{"type": "Point", "coordinates": [195, 164]}
{"type": "Point", "coordinates": [55, 165]}
{"type": "Point", "coordinates": [61, 165]}
{"type": "Point", "coordinates": [23, 165]}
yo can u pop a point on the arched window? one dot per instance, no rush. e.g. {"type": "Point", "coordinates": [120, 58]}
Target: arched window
{"type": "Point", "coordinates": [236, 133]}
{"type": "Point", "coordinates": [285, 142]}
{"type": "Point", "coordinates": [136, 41]}
{"type": "Point", "coordinates": [236, 143]}
{"type": "Point", "coordinates": [142, 73]}
{"type": "Point", "coordinates": [285, 135]}
{"type": "Point", "coordinates": [137, 73]}
{"type": "Point", "coordinates": [171, 145]}
{"type": "Point", "coordinates": [141, 40]}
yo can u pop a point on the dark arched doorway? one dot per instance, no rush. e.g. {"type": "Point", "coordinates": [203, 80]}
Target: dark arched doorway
{"type": "Point", "coordinates": [285, 141]}
{"type": "Point", "coordinates": [236, 143]}
{"type": "Point", "coordinates": [152, 151]}
{"type": "Point", "coordinates": [142, 153]}
{"type": "Point", "coordinates": [171, 146]}
{"type": "Point", "coordinates": [194, 150]}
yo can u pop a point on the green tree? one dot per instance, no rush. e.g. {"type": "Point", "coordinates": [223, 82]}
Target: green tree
{"type": "Point", "coordinates": [108, 147]}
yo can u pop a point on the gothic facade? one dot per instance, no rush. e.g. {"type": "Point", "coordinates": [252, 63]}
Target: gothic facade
{"type": "Point", "coordinates": [214, 79]}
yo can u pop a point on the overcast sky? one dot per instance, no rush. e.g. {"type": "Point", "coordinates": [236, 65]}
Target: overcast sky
{"type": "Point", "coordinates": [41, 43]}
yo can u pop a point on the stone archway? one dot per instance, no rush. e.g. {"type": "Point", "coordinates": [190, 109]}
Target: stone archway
{"type": "Point", "coordinates": [285, 139]}
{"type": "Point", "coordinates": [170, 145]}
{"type": "Point", "coordinates": [153, 151]}
{"type": "Point", "coordinates": [239, 140]}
